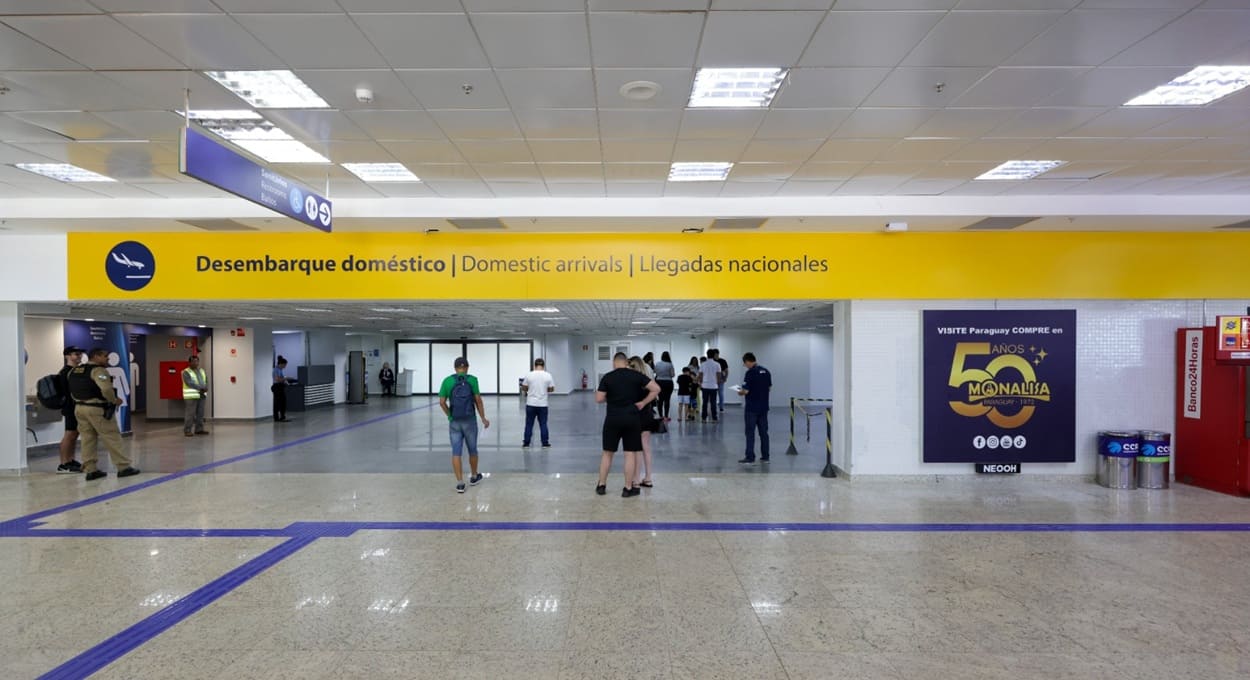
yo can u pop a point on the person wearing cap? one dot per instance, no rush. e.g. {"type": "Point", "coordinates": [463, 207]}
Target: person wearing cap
{"type": "Point", "coordinates": [536, 386]}
{"type": "Point", "coordinates": [461, 399]}
{"type": "Point", "coordinates": [95, 402]}
{"type": "Point", "coordinates": [69, 466]}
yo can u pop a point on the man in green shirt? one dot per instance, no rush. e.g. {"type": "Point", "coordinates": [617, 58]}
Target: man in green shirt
{"type": "Point", "coordinates": [461, 400]}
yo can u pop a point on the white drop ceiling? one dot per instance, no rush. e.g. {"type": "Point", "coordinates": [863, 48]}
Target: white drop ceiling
{"type": "Point", "coordinates": [94, 83]}
{"type": "Point", "coordinates": [471, 319]}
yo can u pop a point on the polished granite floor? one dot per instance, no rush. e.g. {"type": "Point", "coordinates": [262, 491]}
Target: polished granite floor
{"type": "Point", "coordinates": [339, 550]}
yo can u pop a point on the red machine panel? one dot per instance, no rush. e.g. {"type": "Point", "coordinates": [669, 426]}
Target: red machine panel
{"type": "Point", "coordinates": [171, 379]}
{"type": "Point", "coordinates": [1210, 449]}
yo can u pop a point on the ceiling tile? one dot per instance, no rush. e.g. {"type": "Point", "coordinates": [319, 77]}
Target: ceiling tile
{"type": "Point", "coordinates": [1125, 122]}
{"type": "Point", "coordinates": [98, 42]}
{"type": "Point", "coordinates": [638, 151]}
{"type": "Point", "coordinates": [720, 123]}
{"type": "Point", "coordinates": [621, 39]}
{"type": "Point", "coordinates": [154, 125]}
{"type": "Point", "coordinates": [19, 52]}
{"type": "Point", "coordinates": [424, 40]}
{"type": "Point", "coordinates": [1018, 87]}
{"type": "Point", "coordinates": [772, 5]}
{"type": "Point", "coordinates": [461, 189]}
{"type": "Point", "coordinates": [1089, 37]}
{"type": "Point", "coordinates": [952, 122]}
{"type": "Point", "coordinates": [852, 149]}
{"type": "Point", "coordinates": [442, 172]}
{"type": "Point", "coordinates": [288, 6]}
{"type": "Point", "coordinates": [1214, 149]}
{"type": "Point", "coordinates": [780, 150]}
{"type": "Point", "coordinates": [807, 188]}
{"type": "Point", "coordinates": [993, 150]}
{"type": "Point", "coordinates": [927, 187]}
{"type": "Point", "coordinates": [404, 189]}
{"type": "Point", "coordinates": [646, 5]}
{"type": "Point", "coordinates": [931, 87]}
{"type": "Point", "coordinates": [752, 188]}
{"type": "Point", "coordinates": [157, 6]}
{"type": "Point", "coordinates": [313, 40]}
{"type": "Point", "coordinates": [978, 38]}
{"type": "Point", "coordinates": [566, 150]}
{"type": "Point", "coordinates": [1110, 86]}
{"type": "Point", "coordinates": [508, 172]}
{"type": "Point", "coordinates": [829, 172]}
{"type": "Point", "coordinates": [755, 172]}
{"type": "Point", "coordinates": [574, 189]}
{"type": "Point", "coordinates": [857, 5]}
{"type": "Point", "coordinates": [354, 152]}
{"type": "Point", "coordinates": [827, 88]}
{"type": "Point", "coordinates": [858, 38]}
{"type": "Point", "coordinates": [918, 150]}
{"type": "Point", "coordinates": [635, 189]}
{"type": "Point", "coordinates": [74, 125]}
{"type": "Point", "coordinates": [544, 40]}
{"type": "Point", "coordinates": [558, 123]}
{"type": "Point", "coordinates": [548, 88]}
{"type": "Point", "coordinates": [1045, 122]}
{"type": "Point", "coordinates": [472, 124]}
{"type": "Point", "coordinates": [13, 130]}
{"type": "Point", "coordinates": [639, 124]}
{"type": "Point", "coordinates": [800, 123]}
{"type": "Point", "coordinates": [65, 91]}
{"type": "Point", "coordinates": [866, 123]}
{"type": "Point", "coordinates": [572, 172]}
{"type": "Point", "coordinates": [203, 41]}
{"type": "Point", "coordinates": [1017, 4]}
{"type": "Point", "coordinates": [733, 38]}
{"type": "Point", "coordinates": [693, 188]}
{"type": "Point", "coordinates": [526, 5]}
{"type": "Point", "coordinates": [495, 151]}
{"type": "Point", "coordinates": [316, 125]}
{"type": "Point", "coordinates": [517, 189]}
{"type": "Point", "coordinates": [338, 88]}
{"type": "Point", "coordinates": [1085, 170]}
{"type": "Point", "coordinates": [424, 152]}
{"type": "Point", "coordinates": [636, 172]}
{"type": "Point", "coordinates": [675, 87]}
{"type": "Point", "coordinates": [148, 90]}
{"type": "Point", "coordinates": [705, 150]}
{"type": "Point", "coordinates": [18, 7]}
{"type": "Point", "coordinates": [445, 89]}
{"type": "Point", "coordinates": [1196, 38]}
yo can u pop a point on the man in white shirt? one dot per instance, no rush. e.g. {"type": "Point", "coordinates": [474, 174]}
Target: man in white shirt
{"type": "Point", "coordinates": [709, 382]}
{"type": "Point", "coordinates": [536, 386]}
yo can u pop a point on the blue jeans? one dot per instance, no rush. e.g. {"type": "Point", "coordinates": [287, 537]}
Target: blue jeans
{"type": "Point", "coordinates": [720, 396]}
{"type": "Point", "coordinates": [532, 412]}
{"type": "Point", "coordinates": [463, 431]}
{"type": "Point", "coordinates": [757, 420]}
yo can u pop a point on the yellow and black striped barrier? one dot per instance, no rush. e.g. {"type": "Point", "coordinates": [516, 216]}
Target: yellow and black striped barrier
{"type": "Point", "coordinates": [830, 470]}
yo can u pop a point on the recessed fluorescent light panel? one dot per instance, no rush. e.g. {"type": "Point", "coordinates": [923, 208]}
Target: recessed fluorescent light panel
{"type": "Point", "coordinates": [264, 139]}
{"type": "Point", "coordinates": [199, 115]}
{"type": "Point", "coordinates": [1019, 170]}
{"type": "Point", "coordinates": [735, 88]}
{"type": "Point", "coordinates": [390, 310]}
{"type": "Point", "coordinates": [340, 325]}
{"type": "Point", "coordinates": [312, 309]}
{"type": "Point", "coordinates": [1202, 85]}
{"type": "Point", "coordinates": [655, 310]}
{"type": "Point", "coordinates": [540, 310]}
{"type": "Point", "coordinates": [269, 89]}
{"type": "Point", "coordinates": [381, 172]}
{"type": "Point", "coordinates": [255, 318]}
{"type": "Point", "coordinates": [63, 172]}
{"type": "Point", "coordinates": [766, 309]}
{"type": "Point", "coordinates": [699, 172]}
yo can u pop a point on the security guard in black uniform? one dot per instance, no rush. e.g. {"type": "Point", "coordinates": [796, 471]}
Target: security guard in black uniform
{"type": "Point", "coordinates": [94, 404]}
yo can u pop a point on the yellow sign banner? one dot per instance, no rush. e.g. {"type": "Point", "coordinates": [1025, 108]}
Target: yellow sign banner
{"type": "Point", "coordinates": [536, 266]}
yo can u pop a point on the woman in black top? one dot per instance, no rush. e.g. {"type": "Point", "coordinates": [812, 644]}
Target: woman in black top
{"type": "Point", "coordinates": [664, 374]}
{"type": "Point", "coordinates": [649, 424]}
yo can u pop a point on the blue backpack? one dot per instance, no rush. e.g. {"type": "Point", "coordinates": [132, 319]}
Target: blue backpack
{"type": "Point", "coordinates": [462, 405]}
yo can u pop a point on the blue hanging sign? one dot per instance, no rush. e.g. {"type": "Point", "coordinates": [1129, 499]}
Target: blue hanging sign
{"type": "Point", "coordinates": [209, 161]}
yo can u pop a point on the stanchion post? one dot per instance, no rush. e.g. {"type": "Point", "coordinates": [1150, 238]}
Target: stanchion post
{"type": "Point", "coordinates": [829, 471]}
{"type": "Point", "coordinates": [792, 451]}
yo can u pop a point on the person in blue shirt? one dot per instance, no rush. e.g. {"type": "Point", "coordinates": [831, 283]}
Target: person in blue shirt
{"type": "Point", "coordinates": [279, 390]}
{"type": "Point", "coordinates": [755, 387]}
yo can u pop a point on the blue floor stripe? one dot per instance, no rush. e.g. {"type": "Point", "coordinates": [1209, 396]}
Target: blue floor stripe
{"type": "Point", "coordinates": [119, 645]}
{"type": "Point", "coordinates": [26, 520]}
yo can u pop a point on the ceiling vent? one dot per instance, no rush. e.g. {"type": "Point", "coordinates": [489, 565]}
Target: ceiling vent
{"type": "Point", "coordinates": [739, 222]}
{"type": "Point", "coordinates": [999, 223]}
{"type": "Point", "coordinates": [218, 225]}
{"type": "Point", "coordinates": [1244, 224]}
{"type": "Point", "coordinates": [478, 223]}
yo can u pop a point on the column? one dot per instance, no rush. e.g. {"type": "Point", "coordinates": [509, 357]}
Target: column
{"type": "Point", "coordinates": [12, 390]}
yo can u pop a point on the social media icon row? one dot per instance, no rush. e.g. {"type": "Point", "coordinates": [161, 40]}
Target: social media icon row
{"type": "Point", "coordinates": [996, 442]}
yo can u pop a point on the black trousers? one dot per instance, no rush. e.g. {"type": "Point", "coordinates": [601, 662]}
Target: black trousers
{"type": "Point", "coordinates": [279, 401]}
{"type": "Point", "coordinates": [666, 396]}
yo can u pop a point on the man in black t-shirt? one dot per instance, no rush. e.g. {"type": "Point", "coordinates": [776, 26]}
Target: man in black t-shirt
{"type": "Point", "coordinates": [69, 441]}
{"type": "Point", "coordinates": [626, 392]}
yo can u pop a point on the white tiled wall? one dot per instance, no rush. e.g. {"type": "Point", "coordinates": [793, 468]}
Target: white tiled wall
{"type": "Point", "coordinates": [1125, 375]}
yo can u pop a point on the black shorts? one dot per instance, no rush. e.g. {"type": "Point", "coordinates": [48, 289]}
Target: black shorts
{"type": "Point", "coordinates": [624, 430]}
{"type": "Point", "coordinates": [71, 422]}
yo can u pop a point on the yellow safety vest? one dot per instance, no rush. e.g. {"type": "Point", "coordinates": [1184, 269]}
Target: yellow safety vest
{"type": "Point", "coordinates": [191, 392]}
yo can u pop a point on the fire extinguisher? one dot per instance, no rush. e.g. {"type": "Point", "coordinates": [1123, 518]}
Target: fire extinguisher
{"type": "Point", "coordinates": [585, 380]}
